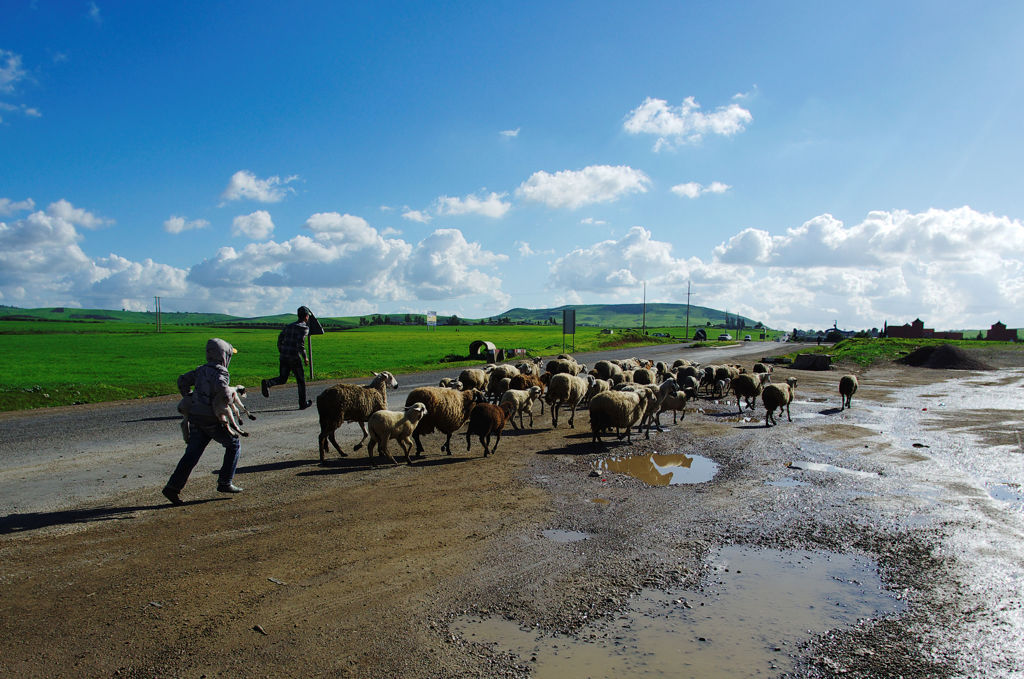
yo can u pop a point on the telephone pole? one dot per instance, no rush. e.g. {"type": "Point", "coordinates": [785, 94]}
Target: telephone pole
{"type": "Point", "coordinates": [159, 325]}
{"type": "Point", "coordinates": [686, 335]}
{"type": "Point", "coordinates": [644, 322]}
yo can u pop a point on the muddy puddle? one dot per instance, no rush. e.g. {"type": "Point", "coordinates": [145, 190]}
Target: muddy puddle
{"type": "Point", "coordinates": [660, 469]}
{"type": "Point", "coordinates": [802, 465]}
{"type": "Point", "coordinates": [754, 610]}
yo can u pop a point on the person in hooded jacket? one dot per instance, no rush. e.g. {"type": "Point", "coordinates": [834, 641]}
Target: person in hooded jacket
{"type": "Point", "coordinates": [206, 382]}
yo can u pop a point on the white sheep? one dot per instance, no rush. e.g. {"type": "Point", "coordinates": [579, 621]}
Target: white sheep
{"type": "Point", "coordinates": [351, 403]}
{"type": "Point", "coordinates": [393, 424]}
{"type": "Point", "coordinates": [778, 396]}
{"type": "Point", "coordinates": [676, 403]}
{"type": "Point", "coordinates": [595, 386]}
{"type": "Point", "coordinates": [523, 400]}
{"type": "Point", "coordinates": [621, 410]}
{"type": "Point", "coordinates": [229, 412]}
{"type": "Point", "coordinates": [473, 378]}
{"type": "Point", "coordinates": [565, 390]}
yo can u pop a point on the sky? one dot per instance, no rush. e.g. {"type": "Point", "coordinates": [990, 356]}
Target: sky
{"type": "Point", "coordinates": [800, 163]}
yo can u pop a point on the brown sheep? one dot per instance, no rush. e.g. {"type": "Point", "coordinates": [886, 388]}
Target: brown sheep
{"type": "Point", "coordinates": [778, 396]}
{"type": "Point", "coordinates": [351, 403]}
{"type": "Point", "coordinates": [847, 388]}
{"type": "Point", "coordinates": [487, 419]}
{"type": "Point", "coordinates": [447, 411]}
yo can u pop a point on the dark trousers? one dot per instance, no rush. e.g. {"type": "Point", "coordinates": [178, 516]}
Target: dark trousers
{"type": "Point", "coordinates": [202, 430]}
{"type": "Point", "coordinates": [291, 365]}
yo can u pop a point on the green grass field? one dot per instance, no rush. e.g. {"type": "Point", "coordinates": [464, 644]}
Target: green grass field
{"type": "Point", "coordinates": [866, 352]}
{"type": "Point", "coordinates": [62, 363]}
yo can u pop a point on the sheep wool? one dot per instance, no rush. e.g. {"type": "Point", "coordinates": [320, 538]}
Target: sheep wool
{"type": "Point", "coordinates": [351, 403]}
{"type": "Point", "coordinates": [447, 411]}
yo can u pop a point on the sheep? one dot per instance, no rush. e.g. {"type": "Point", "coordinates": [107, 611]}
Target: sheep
{"type": "Point", "coordinates": [689, 384]}
{"type": "Point", "coordinates": [619, 409]}
{"type": "Point", "coordinates": [473, 378]}
{"type": "Point", "coordinates": [778, 396]}
{"type": "Point", "coordinates": [707, 379]}
{"type": "Point", "coordinates": [447, 411]}
{"type": "Point", "coordinates": [689, 371]}
{"type": "Point", "coordinates": [676, 403]}
{"type": "Point", "coordinates": [682, 363]}
{"type": "Point", "coordinates": [487, 419]}
{"type": "Point", "coordinates": [496, 389]}
{"type": "Point", "coordinates": [522, 381]}
{"type": "Point", "coordinates": [595, 386]}
{"type": "Point", "coordinates": [523, 400]}
{"type": "Point", "coordinates": [498, 380]}
{"type": "Point", "coordinates": [606, 370]}
{"type": "Point", "coordinates": [763, 368]}
{"type": "Point", "coordinates": [721, 387]}
{"type": "Point", "coordinates": [724, 371]}
{"type": "Point", "coordinates": [531, 367]}
{"type": "Point", "coordinates": [450, 383]}
{"type": "Point", "coordinates": [564, 366]}
{"type": "Point", "coordinates": [393, 424]}
{"type": "Point", "coordinates": [351, 403]}
{"type": "Point", "coordinates": [748, 387]}
{"type": "Point", "coordinates": [567, 390]}
{"type": "Point", "coordinates": [664, 390]}
{"type": "Point", "coordinates": [645, 376]}
{"type": "Point", "coordinates": [229, 412]}
{"type": "Point", "coordinates": [847, 388]}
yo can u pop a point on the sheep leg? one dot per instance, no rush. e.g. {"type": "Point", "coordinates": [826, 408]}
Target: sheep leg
{"type": "Point", "coordinates": [497, 440]}
{"type": "Point", "coordinates": [485, 439]}
{"type": "Point", "coordinates": [362, 425]}
{"type": "Point", "coordinates": [334, 442]}
{"type": "Point", "coordinates": [406, 445]}
{"type": "Point", "coordinates": [419, 444]}
{"type": "Point", "coordinates": [239, 406]}
{"type": "Point", "coordinates": [787, 413]}
{"type": "Point", "coordinates": [468, 434]}
{"type": "Point", "coordinates": [447, 444]}
{"type": "Point", "coordinates": [384, 451]}
{"type": "Point", "coordinates": [572, 417]}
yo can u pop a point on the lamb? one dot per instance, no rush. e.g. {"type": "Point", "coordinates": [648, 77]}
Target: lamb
{"type": "Point", "coordinates": [487, 419]}
{"type": "Point", "coordinates": [619, 409]}
{"type": "Point", "coordinates": [393, 424]}
{"type": "Point", "coordinates": [351, 403]}
{"type": "Point", "coordinates": [676, 403]}
{"type": "Point", "coordinates": [523, 400]}
{"type": "Point", "coordinates": [664, 390]}
{"type": "Point", "coordinates": [523, 381]}
{"type": "Point", "coordinates": [567, 390]}
{"type": "Point", "coordinates": [847, 388]}
{"type": "Point", "coordinates": [447, 411]}
{"type": "Point", "coordinates": [748, 387]}
{"type": "Point", "coordinates": [228, 412]}
{"type": "Point", "coordinates": [778, 396]}
{"type": "Point", "coordinates": [721, 387]}
{"type": "Point", "coordinates": [595, 386]}
{"type": "Point", "coordinates": [473, 378]}
{"type": "Point", "coordinates": [450, 383]}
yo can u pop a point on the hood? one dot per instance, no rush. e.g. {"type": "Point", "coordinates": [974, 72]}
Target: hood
{"type": "Point", "coordinates": [219, 352]}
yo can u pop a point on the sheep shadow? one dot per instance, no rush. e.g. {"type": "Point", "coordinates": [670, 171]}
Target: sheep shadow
{"type": "Point", "coordinates": [830, 411]}
{"type": "Point", "coordinates": [581, 447]}
{"type": "Point", "coordinates": [272, 466]}
{"type": "Point", "coordinates": [29, 521]}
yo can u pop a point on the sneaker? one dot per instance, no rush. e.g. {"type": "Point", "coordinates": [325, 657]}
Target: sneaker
{"type": "Point", "coordinates": [303, 406]}
{"type": "Point", "coordinates": [265, 388]}
{"type": "Point", "coordinates": [172, 496]}
{"type": "Point", "coordinates": [228, 488]}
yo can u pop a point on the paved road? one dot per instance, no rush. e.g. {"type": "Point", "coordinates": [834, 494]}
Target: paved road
{"type": "Point", "coordinates": [60, 457]}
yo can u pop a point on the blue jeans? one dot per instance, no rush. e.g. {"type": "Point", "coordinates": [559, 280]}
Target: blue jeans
{"type": "Point", "coordinates": [202, 430]}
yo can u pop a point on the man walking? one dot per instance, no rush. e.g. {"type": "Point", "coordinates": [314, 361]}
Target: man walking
{"type": "Point", "coordinates": [291, 345]}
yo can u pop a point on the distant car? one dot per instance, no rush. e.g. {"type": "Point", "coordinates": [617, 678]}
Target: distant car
{"type": "Point", "coordinates": [725, 337]}
{"type": "Point", "coordinates": [659, 334]}
{"type": "Point", "coordinates": [746, 338]}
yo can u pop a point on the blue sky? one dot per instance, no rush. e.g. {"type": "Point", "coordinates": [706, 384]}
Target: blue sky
{"type": "Point", "coordinates": [800, 163]}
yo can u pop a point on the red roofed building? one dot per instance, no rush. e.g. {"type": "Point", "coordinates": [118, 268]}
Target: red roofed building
{"type": "Point", "coordinates": [916, 330]}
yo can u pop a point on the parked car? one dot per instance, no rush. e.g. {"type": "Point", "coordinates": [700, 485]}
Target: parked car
{"type": "Point", "coordinates": [725, 337]}
{"type": "Point", "coordinates": [746, 338]}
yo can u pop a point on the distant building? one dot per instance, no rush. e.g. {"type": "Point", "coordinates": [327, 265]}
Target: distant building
{"type": "Point", "coordinates": [999, 333]}
{"type": "Point", "coordinates": [916, 330]}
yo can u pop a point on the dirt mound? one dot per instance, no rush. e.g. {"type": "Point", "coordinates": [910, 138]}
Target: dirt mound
{"type": "Point", "coordinates": [944, 356]}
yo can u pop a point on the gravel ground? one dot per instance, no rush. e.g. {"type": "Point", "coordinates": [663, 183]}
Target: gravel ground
{"type": "Point", "coordinates": [349, 569]}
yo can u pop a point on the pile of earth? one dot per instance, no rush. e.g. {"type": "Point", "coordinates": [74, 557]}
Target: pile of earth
{"type": "Point", "coordinates": [944, 356]}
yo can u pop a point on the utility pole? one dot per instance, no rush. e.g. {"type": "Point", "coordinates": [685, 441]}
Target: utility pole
{"type": "Point", "coordinates": [686, 335]}
{"type": "Point", "coordinates": [645, 309]}
{"type": "Point", "coordinates": [159, 325]}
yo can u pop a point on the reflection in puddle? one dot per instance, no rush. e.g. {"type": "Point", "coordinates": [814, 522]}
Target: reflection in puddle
{"type": "Point", "coordinates": [559, 535]}
{"type": "Point", "coordinates": [1007, 492]}
{"type": "Point", "coordinates": [756, 609]}
{"type": "Point", "coordinates": [822, 467]}
{"type": "Point", "coordinates": [662, 470]}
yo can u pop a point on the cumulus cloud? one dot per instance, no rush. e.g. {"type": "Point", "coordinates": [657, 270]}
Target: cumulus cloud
{"type": "Point", "coordinates": [591, 220]}
{"type": "Point", "coordinates": [490, 205]}
{"type": "Point", "coordinates": [686, 123]}
{"type": "Point", "coordinates": [177, 225]}
{"type": "Point", "coordinates": [416, 216]}
{"type": "Point", "coordinates": [257, 225]}
{"type": "Point", "coordinates": [695, 190]}
{"type": "Point", "coordinates": [246, 185]}
{"type": "Point", "coordinates": [525, 250]}
{"type": "Point", "coordinates": [510, 133]}
{"type": "Point", "coordinates": [576, 188]}
{"type": "Point", "coordinates": [8, 207]}
{"type": "Point", "coordinates": [64, 210]}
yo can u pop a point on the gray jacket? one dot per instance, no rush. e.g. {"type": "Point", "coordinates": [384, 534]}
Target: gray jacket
{"type": "Point", "coordinates": [208, 379]}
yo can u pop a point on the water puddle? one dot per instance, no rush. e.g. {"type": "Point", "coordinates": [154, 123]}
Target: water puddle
{"type": "Point", "coordinates": [755, 609]}
{"type": "Point", "coordinates": [662, 470]}
{"type": "Point", "coordinates": [1011, 493]}
{"type": "Point", "coordinates": [829, 468]}
{"type": "Point", "coordinates": [560, 535]}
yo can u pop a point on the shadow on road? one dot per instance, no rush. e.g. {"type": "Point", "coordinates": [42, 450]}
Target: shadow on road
{"type": "Point", "coordinates": [19, 523]}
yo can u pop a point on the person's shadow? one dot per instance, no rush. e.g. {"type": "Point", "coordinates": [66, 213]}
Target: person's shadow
{"type": "Point", "coordinates": [28, 521]}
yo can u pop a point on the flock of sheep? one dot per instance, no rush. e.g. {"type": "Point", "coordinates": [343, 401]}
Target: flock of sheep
{"type": "Point", "coordinates": [619, 394]}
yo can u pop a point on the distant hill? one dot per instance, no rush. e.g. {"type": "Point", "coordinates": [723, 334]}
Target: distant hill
{"type": "Point", "coordinates": [595, 315]}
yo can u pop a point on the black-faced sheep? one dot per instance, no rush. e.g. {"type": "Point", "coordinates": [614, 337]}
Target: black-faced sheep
{"type": "Point", "coordinates": [447, 411]}
{"type": "Point", "coordinates": [565, 390]}
{"type": "Point", "coordinates": [847, 388]}
{"type": "Point", "coordinates": [487, 420]}
{"type": "Point", "coordinates": [748, 387]}
{"type": "Point", "coordinates": [393, 424]}
{"type": "Point", "coordinates": [522, 400]}
{"type": "Point", "coordinates": [621, 410]}
{"type": "Point", "coordinates": [351, 403]}
{"type": "Point", "coordinates": [778, 396]}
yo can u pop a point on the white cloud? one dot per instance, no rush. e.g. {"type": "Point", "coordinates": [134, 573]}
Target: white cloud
{"type": "Point", "coordinates": [416, 216]}
{"type": "Point", "coordinates": [510, 133]}
{"type": "Point", "coordinates": [94, 13]}
{"type": "Point", "coordinates": [491, 205]}
{"type": "Point", "coordinates": [525, 250]}
{"type": "Point", "coordinates": [64, 210]}
{"type": "Point", "coordinates": [675, 126]}
{"type": "Point", "coordinates": [246, 185]}
{"type": "Point", "coordinates": [11, 71]}
{"type": "Point", "coordinates": [575, 188]}
{"type": "Point", "coordinates": [591, 220]}
{"type": "Point", "coordinates": [257, 225]}
{"type": "Point", "coordinates": [617, 266]}
{"type": "Point", "coordinates": [694, 190]}
{"type": "Point", "coordinates": [8, 207]}
{"type": "Point", "coordinates": [176, 224]}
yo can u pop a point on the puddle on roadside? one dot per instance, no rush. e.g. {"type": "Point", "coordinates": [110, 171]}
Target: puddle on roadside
{"type": "Point", "coordinates": [829, 468]}
{"type": "Point", "coordinates": [661, 469]}
{"type": "Point", "coordinates": [561, 535]}
{"type": "Point", "coordinates": [755, 609]}
{"type": "Point", "coordinates": [1011, 493]}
